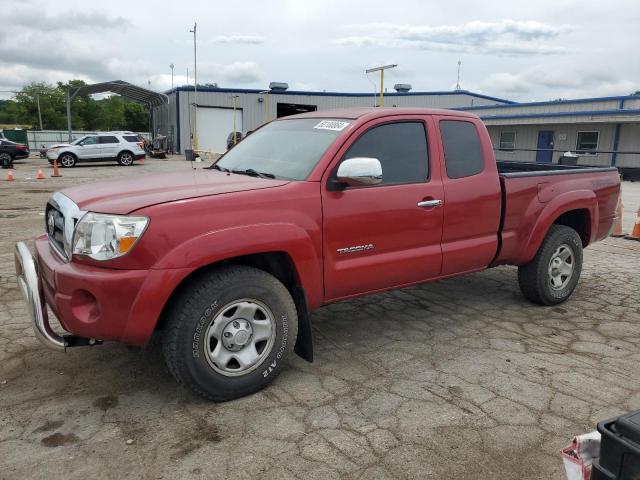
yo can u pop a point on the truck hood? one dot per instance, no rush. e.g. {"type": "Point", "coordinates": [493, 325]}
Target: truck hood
{"type": "Point", "coordinates": [124, 196]}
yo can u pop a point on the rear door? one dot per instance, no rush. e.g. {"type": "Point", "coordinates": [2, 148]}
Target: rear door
{"type": "Point", "coordinates": [472, 196]}
{"type": "Point", "coordinates": [109, 146]}
{"type": "Point", "coordinates": [378, 237]}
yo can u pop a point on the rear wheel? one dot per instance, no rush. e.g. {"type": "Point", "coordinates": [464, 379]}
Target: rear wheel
{"type": "Point", "coordinates": [125, 158]}
{"type": "Point", "coordinates": [230, 333]}
{"type": "Point", "coordinates": [553, 274]}
{"type": "Point", "coordinates": [68, 160]}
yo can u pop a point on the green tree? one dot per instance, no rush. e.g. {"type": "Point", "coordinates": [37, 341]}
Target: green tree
{"type": "Point", "coordinates": [111, 113]}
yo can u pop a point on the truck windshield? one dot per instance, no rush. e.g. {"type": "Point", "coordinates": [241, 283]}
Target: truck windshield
{"type": "Point", "coordinates": [287, 149]}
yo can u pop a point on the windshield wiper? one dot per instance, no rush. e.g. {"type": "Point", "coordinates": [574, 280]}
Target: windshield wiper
{"type": "Point", "coordinates": [254, 173]}
{"type": "Point", "coordinates": [218, 167]}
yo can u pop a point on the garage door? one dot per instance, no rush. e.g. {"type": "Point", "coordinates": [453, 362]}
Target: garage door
{"type": "Point", "coordinates": [215, 125]}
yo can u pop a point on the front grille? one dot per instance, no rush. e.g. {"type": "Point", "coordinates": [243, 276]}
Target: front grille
{"type": "Point", "coordinates": [54, 225]}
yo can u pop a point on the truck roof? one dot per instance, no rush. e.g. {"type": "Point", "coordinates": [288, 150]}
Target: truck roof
{"type": "Point", "coordinates": [376, 112]}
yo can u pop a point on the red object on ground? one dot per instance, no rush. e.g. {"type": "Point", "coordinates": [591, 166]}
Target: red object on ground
{"type": "Point", "coordinates": [635, 233]}
{"type": "Point", "coordinates": [40, 175]}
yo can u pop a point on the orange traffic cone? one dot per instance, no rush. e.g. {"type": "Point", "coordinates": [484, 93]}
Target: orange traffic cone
{"type": "Point", "coordinates": [56, 173]}
{"type": "Point", "coordinates": [40, 175]}
{"type": "Point", "coordinates": [141, 161]}
{"type": "Point", "coordinates": [635, 233]}
{"type": "Point", "coordinates": [617, 228]}
{"type": "Point", "coordinates": [10, 176]}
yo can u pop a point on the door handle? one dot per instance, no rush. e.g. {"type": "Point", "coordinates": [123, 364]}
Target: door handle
{"type": "Point", "coordinates": [430, 203]}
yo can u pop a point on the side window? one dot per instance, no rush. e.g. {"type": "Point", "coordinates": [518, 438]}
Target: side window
{"type": "Point", "coordinates": [108, 139]}
{"type": "Point", "coordinates": [89, 141]}
{"type": "Point", "coordinates": [401, 148]}
{"type": "Point", "coordinates": [462, 148]}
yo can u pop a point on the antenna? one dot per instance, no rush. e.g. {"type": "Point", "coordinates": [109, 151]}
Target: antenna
{"type": "Point", "coordinates": [458, 82]}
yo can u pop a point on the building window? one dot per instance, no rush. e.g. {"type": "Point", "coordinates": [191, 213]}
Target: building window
{"type": "Point", "coordinates": [587, 142]}
{"type": "Point", "coordinates": [507, 141]}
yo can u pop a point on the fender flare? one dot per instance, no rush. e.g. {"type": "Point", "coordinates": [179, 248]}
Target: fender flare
{"type": "Point", "coordinates": [221, 245]}
{"type": "Point", "coordinates": [574, 200]}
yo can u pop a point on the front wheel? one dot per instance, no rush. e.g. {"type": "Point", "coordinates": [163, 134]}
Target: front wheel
{"type": "Point", "coordinates": [229, 333]}
{"type": "Point", "coordinates": [553, 274]}
{"type": "Point", "coordinates": [67, 160]}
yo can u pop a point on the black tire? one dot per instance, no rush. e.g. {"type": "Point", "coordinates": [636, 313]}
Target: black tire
{"type": "Point", "coordinates": [193, 313]}
{"type": "Point", "coordinates": [126, 158]}
{"type": "Point", "coordinates": [67, 160]}
{"type": "Point", "coordinates": [6, 160]}
{"type": "Point", "coordinates": [535, 278]}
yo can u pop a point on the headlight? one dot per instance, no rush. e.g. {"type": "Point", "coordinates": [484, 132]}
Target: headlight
{"type": "Point", "coordinates": [103, 237]}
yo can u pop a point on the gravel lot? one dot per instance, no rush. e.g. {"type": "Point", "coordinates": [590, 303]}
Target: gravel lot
{"type": "Point", "coordinates": [458, 379]}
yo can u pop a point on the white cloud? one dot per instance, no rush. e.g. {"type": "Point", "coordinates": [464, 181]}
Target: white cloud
{"type": "Point", "coordinates": [239, 39]}
{"type": "Point", "coordinates": [507, 37]}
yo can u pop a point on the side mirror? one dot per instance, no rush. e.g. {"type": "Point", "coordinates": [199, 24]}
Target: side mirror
{"type": "Point", "coordinates": [360, 171]}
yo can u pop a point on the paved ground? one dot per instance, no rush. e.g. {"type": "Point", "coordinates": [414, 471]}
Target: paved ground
{"type": "Point", "coordinates": [459, 379]}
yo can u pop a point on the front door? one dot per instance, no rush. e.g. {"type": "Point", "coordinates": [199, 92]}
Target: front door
{"type": "Point", "coordinates": [545, 146]}
{"type": "Point", "coordinates": [378, 237]}
{"type": "Point", "coordinates": [89, 148]}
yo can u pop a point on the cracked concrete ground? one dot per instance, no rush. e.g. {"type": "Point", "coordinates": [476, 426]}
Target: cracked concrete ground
{"type": "Point", "coordinates": [457, 379]}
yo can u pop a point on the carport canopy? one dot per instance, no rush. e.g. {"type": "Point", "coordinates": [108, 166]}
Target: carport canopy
{"type": "Point", "coordinates": [148, 97]}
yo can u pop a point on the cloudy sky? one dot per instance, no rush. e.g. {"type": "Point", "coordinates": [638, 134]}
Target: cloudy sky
{"type": "Point", "coordinates": [522, 51]}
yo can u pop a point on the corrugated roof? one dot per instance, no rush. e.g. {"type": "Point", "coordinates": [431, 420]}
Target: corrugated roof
{"type": "Point", "coordinates": [143, 95]}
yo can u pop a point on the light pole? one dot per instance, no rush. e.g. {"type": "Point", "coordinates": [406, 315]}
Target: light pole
{"type": "Point", "coordinates": [265, 116]}
{"type": "Point", "coordinates": [235, 137]}
{"type": "Point", "coordinates": [381, 70]}
{"type": "Point", "coordinates": [171, 67]}
{"type": "Point", "coordinates": [195, 87]}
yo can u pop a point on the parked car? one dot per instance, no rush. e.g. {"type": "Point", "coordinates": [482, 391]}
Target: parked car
{"type": "Point", "coordinates": [10, 151]}
{"type": "Point", "coordinates": [307, 210]}
{"type": "Point", "coordinates": [123, 148]}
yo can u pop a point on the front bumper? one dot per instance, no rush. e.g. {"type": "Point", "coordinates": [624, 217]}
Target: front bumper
{"type": "Point", "coordinates": [31, 288]}
{"type": "Point", "coordinates": [91, 302]}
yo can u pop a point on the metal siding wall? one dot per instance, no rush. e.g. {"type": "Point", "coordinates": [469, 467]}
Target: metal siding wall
{"type": "Point", "coordinates": [550, 108]}
{"type": "Point", "coordinates": [527, 137]}
{"type": "Point", "coordinates": [253, 110]}
{"type": "Point", "coordinates": [629, 141]}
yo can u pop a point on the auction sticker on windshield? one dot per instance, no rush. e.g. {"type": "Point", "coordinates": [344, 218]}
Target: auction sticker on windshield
{"type": "Point", "coordinates": [335, 125]}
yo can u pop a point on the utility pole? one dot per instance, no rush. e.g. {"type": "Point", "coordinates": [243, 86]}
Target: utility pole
{"type": "Point", "coordinates": [39, 113]}
{"type": "Point", "coordinates": [171, 67]}
{"type": "Point", "coordinates": [458, 82]}
{"type": "Point", "coordinates": [381, 70]}
{"type": "Point", "coordinates": [195, 87]}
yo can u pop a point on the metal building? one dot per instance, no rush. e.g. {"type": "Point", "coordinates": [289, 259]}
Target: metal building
{"type": "Point", "coordinates": [601, 131]}
{"type": "Point", "coordinates": [215, 114]}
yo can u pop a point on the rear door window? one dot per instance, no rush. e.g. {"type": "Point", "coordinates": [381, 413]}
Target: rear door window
{"type": "Point", "coordinates": [401, 148]}
{"type": "Point", "coordinates": [462, 148]}
{"type": "Point", "coordinates": [108, 139]}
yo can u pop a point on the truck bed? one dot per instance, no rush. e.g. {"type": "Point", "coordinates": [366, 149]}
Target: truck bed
{"type": "Point", "coordinates": [525, 169]}
{"type": "Point", "coordinates": [534, 195]}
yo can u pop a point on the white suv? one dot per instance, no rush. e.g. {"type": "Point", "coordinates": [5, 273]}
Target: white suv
{"type": "Point", "coordinates": [124, 147]}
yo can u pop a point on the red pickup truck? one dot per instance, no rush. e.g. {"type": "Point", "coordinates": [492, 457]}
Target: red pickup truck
{"type": "Point", "coordinates": [308, 210]}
